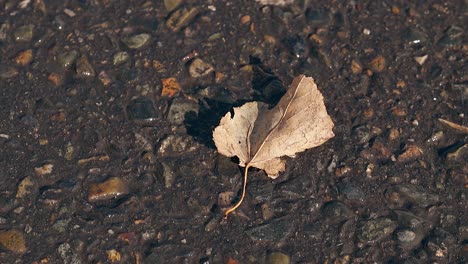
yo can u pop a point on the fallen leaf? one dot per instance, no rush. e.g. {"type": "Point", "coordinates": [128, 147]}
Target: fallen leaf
{"type": "Point", "coordinates": [259, 136]}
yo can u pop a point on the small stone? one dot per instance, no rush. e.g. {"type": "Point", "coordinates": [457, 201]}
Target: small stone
{"type": "Point", "coordinates": [104, 78]}
{"type": "Point", "coordinates": [23, 58]}
{"type": "Point", "coordinates": [401, 195]}
{"type": "Point", "coordinates": [394, 134]}
{"type": "Point", "coordinates": [414, 36]}
{"type": "Point", "coordinates": [395, 10]}
{"type": "Point", "coordinates": [275, 230]}
{"type": "Point", "coordinates": [411, 153]}
{"type": "Point", "coordinates": [376, 230]}
{"type": "Point", "coordinates": [406, 236]}
{"type": "Point", "coordinates": [459, 153]}
{"type": "Point", "coordinates": [342, 171]}
{"type": "Point", "coordinates": [351, 192]}
{"type": "Point", "coordinates": [336, 212]}
{"type": "Point", "coordinates": [198, 68]}
{"type": "Point", "coordinates": [137, 41]}
{"type": "Point", "coordinates": [356, 67]}
{"type": "Point", "coordinates": [4, 28]}
{"type": "Point", "coordinates": [66, 59]}
{"type": "Point", "coordinates": [141, 108]}
{"type": "Point", "coordinates": [168, 175]}
{"type": "Point", "coordinates": [112, 188]}
{"type": "Point", "coordinates": [7, 72]}
{"type": "Point", "coordinates": [179, 110]}
{"type": "Point", "coordinates": [67, 254]}
{"type": "Point", "coordinates": [120, 58]}
{"type": "Point", "coordinates": [55, 78]}
{"type": "Point", "coordinates": [113, 255]}
{"type": "Point", "coordinates": [440, 244]}
{"type": "Point", "coordinates": [421, 59]}
{"type": "Point", "coordinates": [398, 111]}
{"type": "Point", "coordinates": [25, 187]}
{"type": "Point", "coordinates": [245, 19]}
{"type": "Point", "coordinates": [158, 66]}
{"type": "Point", "coordinates": [44, 169]}
{"type": "Point", "coordinates": [181, 18]}
{"type": "Point", "coordinates": [267, 211]}
{"type": "Point", "coordinates": [170, 87]}
{"type": "Point", "coordinates": [13, 240]}
{"type": "Point", "coordinates": [171, 5]}
{"type": "Point", "coordinates": [452, 36]}
{"type": "Point", "coordinates": [378, 64]}
{"type": "Point", "coordinates": [277, 258]}
{"type": "Point", "coordinates": [84, 69]}
{"type": "Point", "coordinates": [24, 33]}
{"type": "Point", "coordinates": [174, 145]}
{"type": "Point", "coordinates": [225, 198]}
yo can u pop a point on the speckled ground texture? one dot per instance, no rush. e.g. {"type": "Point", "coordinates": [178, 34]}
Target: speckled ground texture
{"type": "Point", "coordinates": [106, 117]}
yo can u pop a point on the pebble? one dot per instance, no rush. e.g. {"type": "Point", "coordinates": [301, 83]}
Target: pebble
{"type": "Point", "coordinates": [4, 30]}
{"type": "Point", "coordinates": [67, 254]}
{"type": "Point", "coordinates": [372, 231]}
{"type": "Point", "coordinates": [401, 195]}
{"type": "Point", "coordinates": [44, 169]}
{"type": "Point", "coordinates": [24, 187]}
{"type": "Point", "coordinates": [55, 78]}
{"type": "Point", "coordinates": [414, 36]}
{"type": "Point", "coordinates": [141, 108]}
{"type": "Point", "coordinates": [23, 58]}
{"type": "Point", "coordinates": [181, 18]}
{"type": "Point", "coordinates": [409, 220]}
{"type": "Point", "coordinates": [277, 258]}
{"type": "Point", "coordinates": [113, 255]}
{"type": "Point", "coordinates": [421, 59]}
{"type": "Point", "coordinates": [378, 64]}
{"type": "Point", "coordinates": [351, 191]}
{"type": "Point", "coordinates": [120, 58]}
{"type": "Point", "coordinates": [440, 245]}
{"type": "Point", "coordinates": [171, 5]}
{"type": "Point", "coordinates": [112, 188]}
{"type": "Point", "coordinates": [408, 239]}
{"type": "Point", "coordinates": [275, 2]}
{"type": "Point", "coordinates": [176, 145]}
{"type": "Point", "coordinates": [24, 33]}
{"type": "Point", "coordinates": [137, 41]}
{"type": "Point", "coordinates": [168, 175]}
{"type": "Point", "coordinates": [411, 153]}
{"type": "Point", "coordinates": [336, 212]}
{"type": "Point", "coordinates": [198, 68]}
{"type": "Point", "coordinates": [275, 230]}
{"type": "Point", "coordinates": [67, 59]}
{"type": "Point", "coordinates": [356, 67]}
{"type": "Point", "coordinates": [170, 87]}
{"type": "Point", "coordinates": [452, 36]}
{"type": "Point", "coordinates": [13, 240]}
{"type": "Point", "coordinates": [7, 72]}
{"type": "Point", "coordinates": [84, 69]}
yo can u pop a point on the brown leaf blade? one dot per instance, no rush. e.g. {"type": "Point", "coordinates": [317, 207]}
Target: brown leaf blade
{"type": "Point", "coordinates": [298, 122]}
{"type": "Point", "coordinates": [259, 136]}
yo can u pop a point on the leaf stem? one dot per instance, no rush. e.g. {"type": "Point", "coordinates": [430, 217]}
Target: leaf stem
{"type": "Point", "coordinates": [232, 209]}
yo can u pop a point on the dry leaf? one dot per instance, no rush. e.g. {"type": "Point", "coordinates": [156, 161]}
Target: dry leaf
{"type": "Point", "coordinates": [259, 136]}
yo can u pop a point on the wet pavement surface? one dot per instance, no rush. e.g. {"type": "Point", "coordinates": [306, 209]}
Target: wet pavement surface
{"type": "Point", "coordinates": [107, 110]}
